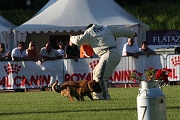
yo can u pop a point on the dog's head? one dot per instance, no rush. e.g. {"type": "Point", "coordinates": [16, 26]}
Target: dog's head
{"type": "Point", "coordinates": [94, 86]}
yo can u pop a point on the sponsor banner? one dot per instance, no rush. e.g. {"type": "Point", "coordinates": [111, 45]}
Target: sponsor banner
{"type": "Point", "coordinates": [9, 71]}
{"type": "Point", "coordinates": [29, 74]}
{"type": "Point", "coordinates": [52, 70]}
{"type": "Point", "coordinates": [167, 37]}
{"type": "Point", "coordinates": [83, 69]}
{"type": "Point", "coordinates": [173, 62]}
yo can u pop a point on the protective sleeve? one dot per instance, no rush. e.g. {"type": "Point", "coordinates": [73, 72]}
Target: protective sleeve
{"type": "Point", "coordinates": [124, 32]}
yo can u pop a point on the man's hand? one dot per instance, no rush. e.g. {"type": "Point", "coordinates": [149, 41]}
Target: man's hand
{"type": "Point", "coordinates": [136, 55]}
{"type": "Point", "coordinates": [8, 54]}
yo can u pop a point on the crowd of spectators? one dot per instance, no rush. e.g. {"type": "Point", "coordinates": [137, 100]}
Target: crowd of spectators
{"type": "Point", "coordinates": [20, 53]}
{"type": "Point", "coordinates": [69, 51]}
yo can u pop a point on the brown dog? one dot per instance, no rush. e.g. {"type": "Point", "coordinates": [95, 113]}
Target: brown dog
{"type": "Point", "coordinates": [77, 89]}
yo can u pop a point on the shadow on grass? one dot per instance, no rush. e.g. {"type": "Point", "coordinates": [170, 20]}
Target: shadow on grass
{"type": "Point", "coordinates": [74, 111]}
{"type": "Point", "coordinates": [174, 107]}
{"type": "Point", "coordinates": [68, 111]}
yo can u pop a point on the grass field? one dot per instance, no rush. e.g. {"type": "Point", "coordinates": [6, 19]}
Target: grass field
{"type": "Point", "coordinates": [49, 105]}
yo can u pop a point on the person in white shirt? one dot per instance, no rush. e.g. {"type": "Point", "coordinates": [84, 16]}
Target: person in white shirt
{"type": "Point", "coordinates": [61, 48]}
{"type": "Point", "coordinates": [102, 41]}
{"type": "Point", "coordinates": [48, 53]}
{"type": "Point", "coordinates": [19, 53]}
{"type": "Point", "coordinates": [131, 49]}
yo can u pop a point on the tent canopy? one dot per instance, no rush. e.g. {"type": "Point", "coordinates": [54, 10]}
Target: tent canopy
{"type": "Point", "coordinates": [68, 15]}
{"type": "Point", "coordinates": [6, 33]}
{"type": "Point", "coordinates": [5, 25]}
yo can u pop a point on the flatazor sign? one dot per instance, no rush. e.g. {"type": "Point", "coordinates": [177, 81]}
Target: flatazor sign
{"type": "Point", "coordinates": [166, 37]}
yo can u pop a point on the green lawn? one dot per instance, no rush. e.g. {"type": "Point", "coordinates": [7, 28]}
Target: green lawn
{"type": "Point", "coordinates": [49, 105]}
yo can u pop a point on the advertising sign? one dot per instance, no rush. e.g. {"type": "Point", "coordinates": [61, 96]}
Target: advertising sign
{"type": "Point", "coordinates": [167, 37]}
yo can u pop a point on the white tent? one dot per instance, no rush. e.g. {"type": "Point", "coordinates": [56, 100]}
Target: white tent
{"type": "Point", "coordinates": [65, 16]}
{"type": "Point", "coordinates": [6, 32]}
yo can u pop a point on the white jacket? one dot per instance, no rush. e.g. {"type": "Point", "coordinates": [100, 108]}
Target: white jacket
{"type": "Point", "coordinates": [101, 37]}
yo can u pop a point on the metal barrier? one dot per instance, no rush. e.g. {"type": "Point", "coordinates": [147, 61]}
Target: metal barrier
{"type": "Point", "coordinates": [29, 74]}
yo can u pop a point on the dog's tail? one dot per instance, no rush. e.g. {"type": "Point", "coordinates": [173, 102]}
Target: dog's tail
{"type": "Point", "coordinates": [54, 88]}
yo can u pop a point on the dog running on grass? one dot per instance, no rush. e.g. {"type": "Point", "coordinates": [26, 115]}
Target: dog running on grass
{"type": "Point", "coordinates": [77, 89]}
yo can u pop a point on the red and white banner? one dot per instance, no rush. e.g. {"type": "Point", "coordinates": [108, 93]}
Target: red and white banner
{"type": "Point", "coordinates": [29, 74]}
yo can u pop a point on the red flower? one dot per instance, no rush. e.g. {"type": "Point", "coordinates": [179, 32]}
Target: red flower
{"type": "Point", "coordinates": [162, 74]}
{"type": "Point", "coordinates": [136, 75]}
{"type": "Point", "coordinates": [152, 74]}
{"type": "Point", "coordinates": [139, 74]}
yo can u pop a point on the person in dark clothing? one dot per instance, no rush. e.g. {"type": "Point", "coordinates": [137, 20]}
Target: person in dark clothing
{"type": "Point", "coordinates": [72, 51]}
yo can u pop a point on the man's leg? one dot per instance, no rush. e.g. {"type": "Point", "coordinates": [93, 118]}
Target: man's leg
{"type": "Point", "coordinates": [98, 76]}
{"type": "Point", "coordinates": [102, 95]}
{"type": "Point", "coordinates": [103, 71]}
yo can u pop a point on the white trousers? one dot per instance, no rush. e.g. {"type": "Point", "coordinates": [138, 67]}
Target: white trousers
{"type": "Point", "coordinates": [103, 71]}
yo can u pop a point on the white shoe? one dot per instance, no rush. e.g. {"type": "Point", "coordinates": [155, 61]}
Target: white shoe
{"type": "Point", "coordinates": [96, 98]}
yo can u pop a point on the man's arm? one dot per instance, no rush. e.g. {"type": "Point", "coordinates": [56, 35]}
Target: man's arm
{"type": "Point", "coordinates": [132, 54]}
{"type": "Point", "coordinates": [25, 58]}
{"type": "Point", "coordinates": [52, 58]}
{"type": "Point", "coordinates": [7, 56]}
{"type": "Point", "coordinates": [124, 32]}
{"type": "Point", "coordinates": [80, 39]}
{"type": "Point", "coordinates": [151, 52]}
{"type": "Point", "coordinates": [48, 58]}
{"type": "Point", "coordinates": [128, 54]}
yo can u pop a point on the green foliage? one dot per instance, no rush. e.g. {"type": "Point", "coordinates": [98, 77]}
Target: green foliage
{"type": "Point", "coordinates": [49, 105]}
{"type": "Point", "coordinates": [18, 17]}
{"type": "Point", "coordinates": [159, 15]}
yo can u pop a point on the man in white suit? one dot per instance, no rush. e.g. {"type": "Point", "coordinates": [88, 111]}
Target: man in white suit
{"type": "Point", "coordinates": [102, 40]}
